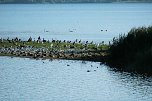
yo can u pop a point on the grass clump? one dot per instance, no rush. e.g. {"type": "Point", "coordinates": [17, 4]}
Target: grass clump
{"type": "Point", "coordinates": [133, 52]}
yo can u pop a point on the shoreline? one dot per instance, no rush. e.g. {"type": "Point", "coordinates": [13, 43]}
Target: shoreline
{"type": "Point", "coordinates": [51, 59]}
{"type": "Point", "coordinates": [100, 58]}
{"type": "Point", "coordinates": [130, 53]}
{"type": "Point", "coordinates": [55, 49]}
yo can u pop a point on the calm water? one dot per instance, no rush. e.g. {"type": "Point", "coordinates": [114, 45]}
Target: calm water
{"type": "Point", "coordinates": [85, 20]}
{"type": "Point", "coordinates": [23, 79]}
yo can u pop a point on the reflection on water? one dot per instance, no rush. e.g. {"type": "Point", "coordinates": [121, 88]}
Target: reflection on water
{"type": "Point", "coordinates": [67, 80]}
{"type": "Point", "coordinates": [139, 85]}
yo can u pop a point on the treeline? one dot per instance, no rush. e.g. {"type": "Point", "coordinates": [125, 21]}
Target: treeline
{"type": "Point", "coordinates": [133, 52]}
{"type": "Point", "coordinates": [70, 1]}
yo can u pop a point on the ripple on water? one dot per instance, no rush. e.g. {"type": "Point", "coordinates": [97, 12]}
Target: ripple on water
{"type": "Point", "coordinates": [29, 79]}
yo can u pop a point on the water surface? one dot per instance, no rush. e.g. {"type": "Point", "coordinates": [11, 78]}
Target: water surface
{"type": "Point", "coordinates": [84, 20]}
{"type": "Point", "coordinates": [23, 79]}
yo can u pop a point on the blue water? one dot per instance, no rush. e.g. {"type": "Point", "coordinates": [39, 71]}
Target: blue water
{"type": "Point", "coordinates": [85, 20]}
{"type": "Point", "coordinates": [23, 79]}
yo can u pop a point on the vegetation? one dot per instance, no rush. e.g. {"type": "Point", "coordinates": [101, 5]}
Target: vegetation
{"type": "Point", "coordinates": [53, 44]}
{"type": "Point", "coordinates": [133, 52]}
{"type": "Point", "coordinates": [54, 49]}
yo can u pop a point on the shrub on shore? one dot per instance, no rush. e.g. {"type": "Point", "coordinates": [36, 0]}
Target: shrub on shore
{"type": "Point", "coordinates": [133, 52]}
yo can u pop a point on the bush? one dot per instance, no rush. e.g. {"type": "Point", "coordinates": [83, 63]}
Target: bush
{"type": "Point", "coordinates": [133, 50]}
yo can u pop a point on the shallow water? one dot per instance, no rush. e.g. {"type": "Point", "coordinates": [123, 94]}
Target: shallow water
{"type": "Point", "coordinates": [23, 79]}
{"type": "Point", "coordinates": [85, 20]}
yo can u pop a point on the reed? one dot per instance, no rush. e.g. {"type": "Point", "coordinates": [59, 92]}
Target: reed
{"type": "Point", "coordinates": [133, 52]}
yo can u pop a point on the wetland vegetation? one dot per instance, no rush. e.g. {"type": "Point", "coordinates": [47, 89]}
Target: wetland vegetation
{"type": "Point", "coordinates": [133, 52]}
{"type": "Point", "coordinates": [54, 49]}
{"type": "Point", "coordinates": [130, 52]}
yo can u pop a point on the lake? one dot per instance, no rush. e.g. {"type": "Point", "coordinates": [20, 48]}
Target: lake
{"type": "Point", "coordinates": [23, 79]}
{"type": "Point", "coordinates": [73, 21]}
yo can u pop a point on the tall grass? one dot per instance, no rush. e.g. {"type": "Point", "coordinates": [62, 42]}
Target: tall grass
{"type": "Point", "coordinates": [133, 51]}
